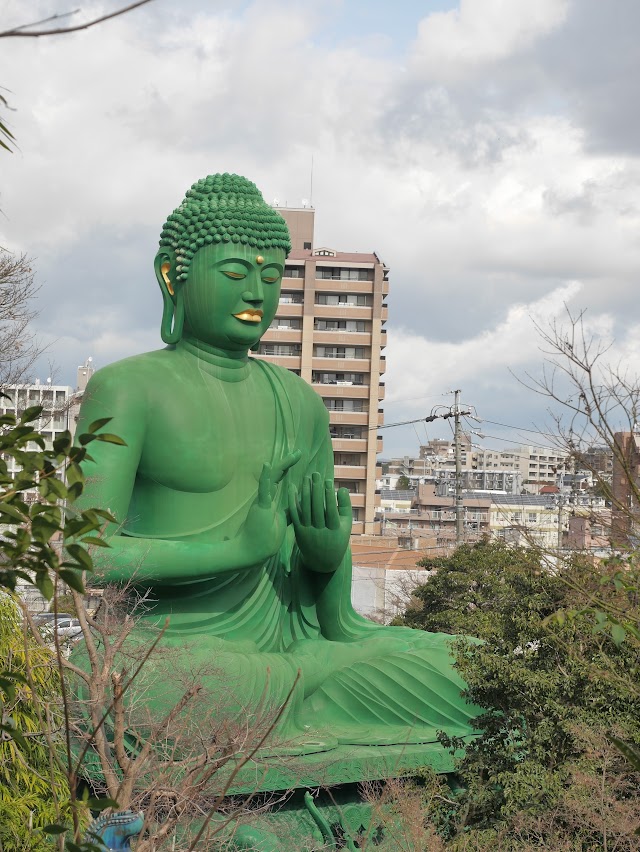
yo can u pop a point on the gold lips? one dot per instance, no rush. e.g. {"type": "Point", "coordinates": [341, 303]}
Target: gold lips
{"type": "Point", "coordinates": [249, 316]}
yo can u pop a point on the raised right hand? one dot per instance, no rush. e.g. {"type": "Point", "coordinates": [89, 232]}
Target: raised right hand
{"type": "Point", "coordinates": [262, 532]}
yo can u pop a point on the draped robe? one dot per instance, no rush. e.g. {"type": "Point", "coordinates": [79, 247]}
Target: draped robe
{"type": "Point", "coordinates": [285, 634]}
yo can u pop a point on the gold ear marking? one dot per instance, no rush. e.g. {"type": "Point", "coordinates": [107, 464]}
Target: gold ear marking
{"type": "Point", "coordinates": [166, 266]}
{"type": "Point", "coordinates": [259, 259]}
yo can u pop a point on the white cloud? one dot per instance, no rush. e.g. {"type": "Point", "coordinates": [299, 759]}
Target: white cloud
{"type": "Point", "coordinates": [460, 162]}
{"type": "Point", "coordinates": [452, 45]}
{"type": "Point", "coordinates": [419, 367]}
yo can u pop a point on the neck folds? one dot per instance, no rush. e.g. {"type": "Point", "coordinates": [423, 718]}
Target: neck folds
{"type": "Point", "coordinates": [228, 366]}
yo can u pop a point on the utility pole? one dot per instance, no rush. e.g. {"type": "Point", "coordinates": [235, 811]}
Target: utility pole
{"type": "Point", "coordinates": [458, 457]}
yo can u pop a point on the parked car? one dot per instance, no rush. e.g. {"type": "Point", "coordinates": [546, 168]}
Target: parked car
{"type": "Point", "coordinates": [65, 627]}
{"type": "Point", "coordinates": [41, 618]}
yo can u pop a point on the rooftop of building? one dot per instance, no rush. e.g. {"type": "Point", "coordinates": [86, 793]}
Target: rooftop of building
{"type": "Point", "coordinates": [392, 494]}
{"type": "Point", "coordinates": [427, 497]}
{"type": "Point", "coordinates": [545, 500]}
{"type": "Point", "coordinates": [346, 256]}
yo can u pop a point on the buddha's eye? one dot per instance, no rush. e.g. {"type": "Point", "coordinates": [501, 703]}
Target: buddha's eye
{"type": "Point", "coordinates": [233, 274]}
{"type": "Point", "coordinates": [271, 275]}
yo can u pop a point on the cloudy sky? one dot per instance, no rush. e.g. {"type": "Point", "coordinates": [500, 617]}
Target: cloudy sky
{"type": "Point", "coordinates": [487, 150]}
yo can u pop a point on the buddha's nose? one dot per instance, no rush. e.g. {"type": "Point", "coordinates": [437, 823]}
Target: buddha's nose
{"type": "Point", "coordinates": [254, 292]}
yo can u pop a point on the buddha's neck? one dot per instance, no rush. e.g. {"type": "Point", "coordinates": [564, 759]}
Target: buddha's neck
{"type": "Point", "coordinates": [229, 366]}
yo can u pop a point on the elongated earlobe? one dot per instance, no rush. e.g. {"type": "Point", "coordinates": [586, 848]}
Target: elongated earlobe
{"type": "Point", "coordinates": [172, 317]}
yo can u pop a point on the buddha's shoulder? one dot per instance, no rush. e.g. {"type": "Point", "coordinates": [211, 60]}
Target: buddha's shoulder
{"type": "Point", "coordinates": [136, 372]}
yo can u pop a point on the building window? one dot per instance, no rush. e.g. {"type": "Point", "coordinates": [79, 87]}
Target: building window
{"type": "Point", "coordinates": [340, 325]}
{"type": "Point", "coordinates": [288, 297]}
{"type": "Point", "coordinates": [349, 433]}
{"type": "Point", "coordinates": [345, 299]}
{"type": "Point", "coordinates": [319, 378]}
{"type": "Point", "coordinates": [344, 404]}
{"type": "Point", "coordinates": [349, 459]}
{"type": "Point", "coordinates": [307, 246]}
{"type": "Point", "coordinates": [339, 351]}
{"type": "Point", "coordinates": [282, 349]}
{"type": "Point", "coordinates": [285, 323]}
{"type": "Point", "coordinates": [352, 486]}
{"type": "Point", "coordinates": [334, 273]}
{"type": "Point", "coordinates": [294, 272]}
{"type": "Point", "coordinates": [532, 518]}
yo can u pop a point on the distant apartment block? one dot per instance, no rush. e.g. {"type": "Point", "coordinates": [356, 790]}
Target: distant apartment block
{"type": "Point", "coordinates": [60, 404]}
{"type": "Point", "coordinates": [589, 529]}
{"type": "Point", "coordinates": [598, 460]}
{"type": "Point", "coordinates": [329, 329]}
{"type": "Point", "coordinates": [434, 514]}
{"type": "Point", "coordinates": [625, 521]}
{"type": "Point", "coordinates": [525, 466]}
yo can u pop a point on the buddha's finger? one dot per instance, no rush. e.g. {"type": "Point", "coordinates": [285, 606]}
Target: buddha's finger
{"type": "Point", "coordinates": [317, 502]}
{"type": "Point", "coordinates": [264, 487]}
{"type": "Point", "coordinates": [331, 512]}
{"type": "Point", "coordinates": [293, 506]}
{"type": "Point", "coordinates": [305, 502]}
{"type": "Point", "coordinates": [344, 503]}
{"type": "Point", "coordinates": [285, 464]}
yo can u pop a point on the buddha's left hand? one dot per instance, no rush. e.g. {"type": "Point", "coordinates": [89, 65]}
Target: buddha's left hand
{"type": "Point", "coordinates": [322, 522]}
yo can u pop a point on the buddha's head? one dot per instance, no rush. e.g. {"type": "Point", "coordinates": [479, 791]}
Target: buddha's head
{"type": "Point", "coordinates": [220, 264]}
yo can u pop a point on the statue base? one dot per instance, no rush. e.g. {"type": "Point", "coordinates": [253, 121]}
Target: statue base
{"type": "Point", "coordinates": [328, 809]}
{"type": "Point", "coordinates": [342, 765]}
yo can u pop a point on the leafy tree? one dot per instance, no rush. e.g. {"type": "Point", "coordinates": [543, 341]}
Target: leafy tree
{"type": "Point", "coordinates": [403, 483]}
{"type": "Point", "coordinates": [30, 783]}
{"type": "Point", "coordinates": [543, 773]}
{"type": "Point", "coordinates": [43, 542]}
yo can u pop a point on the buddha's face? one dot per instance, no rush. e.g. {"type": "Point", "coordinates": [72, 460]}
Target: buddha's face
{"type": "Point", "coordinates": [231, 294]}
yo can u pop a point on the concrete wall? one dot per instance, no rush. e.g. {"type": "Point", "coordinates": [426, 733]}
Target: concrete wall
{"type": "Point", "coordinates": [380, 594]}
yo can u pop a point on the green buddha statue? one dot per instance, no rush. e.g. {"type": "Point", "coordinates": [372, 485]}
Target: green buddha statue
{"type": "Point", "coordinates": [226, 506]}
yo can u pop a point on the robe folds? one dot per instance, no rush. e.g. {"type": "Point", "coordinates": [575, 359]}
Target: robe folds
{"type": "Point", "coordinates": [283, 642]}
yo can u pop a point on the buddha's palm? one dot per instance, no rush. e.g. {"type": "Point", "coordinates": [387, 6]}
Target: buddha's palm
{"type": "Point", "coordinates": [321, 521]}
{"type": "Point", "coordinates": [262, 532]}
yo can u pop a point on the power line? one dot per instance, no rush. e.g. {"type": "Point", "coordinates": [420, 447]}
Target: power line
{"type": "Point", "coordinates": [518, 443]}
{"type": "Point", "coordinates": [518, 428]}
{"type": "Point", "coordinates": [428, 419]}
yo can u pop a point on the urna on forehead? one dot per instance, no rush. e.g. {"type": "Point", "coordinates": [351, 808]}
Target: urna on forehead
{"type": "Point", "coordinates": [222, 208]}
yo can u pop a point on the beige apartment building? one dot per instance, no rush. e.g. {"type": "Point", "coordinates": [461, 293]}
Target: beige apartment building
{"type": "Point", "coordinates": [329, 329]}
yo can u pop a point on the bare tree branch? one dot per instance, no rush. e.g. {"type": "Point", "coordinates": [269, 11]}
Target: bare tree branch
{"type": "Point", "coordinates": [22, 31]}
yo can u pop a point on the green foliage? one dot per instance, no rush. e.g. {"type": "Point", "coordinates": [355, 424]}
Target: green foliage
{"type": "Point", "coordinates": [544, 773]}
{"type": "Point", "coordinates": [33, 531]}
{"type": "Point", "coordinates": [27, 772]}
{"type": "Point", "coordinates": [43, 542]}
{"type": "Point", "coordinates": [403, 483]}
